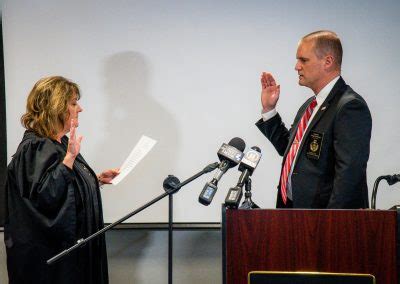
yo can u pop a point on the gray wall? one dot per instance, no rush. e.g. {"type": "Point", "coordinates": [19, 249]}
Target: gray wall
{"type": "Point", "coordinates": [186, 73]}
{"type": "Point", "coordinates": [141, 256]}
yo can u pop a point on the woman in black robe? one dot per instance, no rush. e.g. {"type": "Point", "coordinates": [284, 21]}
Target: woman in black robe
{"type": "Point", "coordinates": [52, 194]}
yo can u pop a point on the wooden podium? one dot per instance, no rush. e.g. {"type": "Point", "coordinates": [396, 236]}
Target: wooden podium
{"type": "Point", "coordinates": [339, 241]}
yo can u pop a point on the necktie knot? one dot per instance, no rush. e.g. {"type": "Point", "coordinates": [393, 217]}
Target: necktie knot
{"type": "Point", "coordinates": [313, 103]}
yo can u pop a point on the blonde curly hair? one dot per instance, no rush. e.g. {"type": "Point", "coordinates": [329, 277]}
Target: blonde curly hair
{"type": "Point", "coordinates": [47, 105]}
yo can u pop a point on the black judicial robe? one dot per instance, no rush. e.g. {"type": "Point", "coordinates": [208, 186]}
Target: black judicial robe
{"type": "Point", "coordinates": [50, 207]}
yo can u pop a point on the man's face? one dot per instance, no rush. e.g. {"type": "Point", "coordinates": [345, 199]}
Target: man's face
{"type": "Point", "coordinates": [308, 66]}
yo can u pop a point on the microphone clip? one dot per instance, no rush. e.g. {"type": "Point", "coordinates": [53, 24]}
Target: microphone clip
{"type": "Point", "coordinates": [170, 184]}
{"type": "Point", "coordinates": [248, 203]}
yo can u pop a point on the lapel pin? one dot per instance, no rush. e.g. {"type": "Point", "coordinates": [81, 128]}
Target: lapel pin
{"type": "Point", "coordinates": [323, 108]}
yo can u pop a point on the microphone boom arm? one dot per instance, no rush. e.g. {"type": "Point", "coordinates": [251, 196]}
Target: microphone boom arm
{"type": "Point", "coordinates": [80, 242]}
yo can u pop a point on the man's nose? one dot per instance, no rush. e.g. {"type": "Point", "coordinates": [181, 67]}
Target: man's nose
{"type": "Point", "coordinates": [297, 67]}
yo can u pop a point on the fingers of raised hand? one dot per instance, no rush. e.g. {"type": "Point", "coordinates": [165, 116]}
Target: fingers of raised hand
{"type": "Point", "coordinates": [263, 81]}
{"type": "Point", "coordinates": [72, 130]}
{"type": "Point", "coordinates": [270, 80]}
{"type": "Point", "coordinates": [267, 79]}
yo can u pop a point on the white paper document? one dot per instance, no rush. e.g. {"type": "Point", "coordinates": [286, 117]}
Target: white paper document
{"type": "Point", "coordinates": [140, 150]}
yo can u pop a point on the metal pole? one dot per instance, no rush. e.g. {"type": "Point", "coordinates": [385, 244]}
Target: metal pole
{"type": "Point", "coordinates": [170, 238]}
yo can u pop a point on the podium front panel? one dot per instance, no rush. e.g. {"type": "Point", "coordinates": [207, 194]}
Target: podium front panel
{"type": "Point", "coordinates": [330, 241]}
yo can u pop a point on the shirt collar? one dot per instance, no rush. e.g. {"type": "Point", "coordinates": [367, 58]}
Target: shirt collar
{"type": "Point", "coordinates": [321, 96]}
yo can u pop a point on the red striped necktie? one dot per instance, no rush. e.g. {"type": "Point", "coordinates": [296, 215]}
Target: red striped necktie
{"type": "Point", "coordinates": [294, 147]}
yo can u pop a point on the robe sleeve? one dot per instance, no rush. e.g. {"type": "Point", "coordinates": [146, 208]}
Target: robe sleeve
{"type": "Point", "coordinates": [44, 183]}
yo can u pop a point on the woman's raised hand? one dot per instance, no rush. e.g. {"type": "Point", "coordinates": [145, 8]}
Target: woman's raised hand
{"type": "Point", "coordinates": [74, 146]}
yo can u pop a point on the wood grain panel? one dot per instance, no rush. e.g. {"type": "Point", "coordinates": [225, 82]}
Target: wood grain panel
{"type": "Point", "coordinates": [353, 241]}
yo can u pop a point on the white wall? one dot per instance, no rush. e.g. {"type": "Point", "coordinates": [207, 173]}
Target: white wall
{"type": "Point", "coordinates": [187, 74]}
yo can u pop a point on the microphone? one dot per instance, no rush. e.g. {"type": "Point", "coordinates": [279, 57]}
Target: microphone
{"type": "Point", "coordinates": [230, 155]}
{"type": "Point", "coordinates": [247, 167]}
{"type": "Point", "coordinates": [392, 179]}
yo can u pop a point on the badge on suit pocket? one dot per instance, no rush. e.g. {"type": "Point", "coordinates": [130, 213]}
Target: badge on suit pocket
{"type": "Point", "coordinates": [314, 145]}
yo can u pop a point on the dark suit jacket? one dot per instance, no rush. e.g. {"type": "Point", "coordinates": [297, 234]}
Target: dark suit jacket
{"type": "Point", "coordinates": [330, 170]}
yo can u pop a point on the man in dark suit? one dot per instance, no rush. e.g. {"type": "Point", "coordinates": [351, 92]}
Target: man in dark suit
{"type": "Point", "coordinates": [326, 150]}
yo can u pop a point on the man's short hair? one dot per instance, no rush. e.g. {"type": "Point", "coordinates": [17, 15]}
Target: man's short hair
{"type": "Point", "coordinates": [326, 42]}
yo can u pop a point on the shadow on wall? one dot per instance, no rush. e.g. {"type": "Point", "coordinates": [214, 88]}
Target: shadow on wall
{"type": "Point", "coordinates": [131, 112]}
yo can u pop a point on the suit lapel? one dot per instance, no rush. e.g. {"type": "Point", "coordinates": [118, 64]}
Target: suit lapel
{"type": "Point", "coordinates": [336, 90]}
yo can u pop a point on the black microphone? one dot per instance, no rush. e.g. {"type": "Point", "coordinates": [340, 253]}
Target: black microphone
{"type": "Point", "coordinates": [230, 155]}
{"type": "Point", "coordinates": [247, 167]}
{"type": "Point", "coordinates": [392, 179]}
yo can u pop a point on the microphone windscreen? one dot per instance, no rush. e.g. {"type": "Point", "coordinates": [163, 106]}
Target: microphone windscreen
{"type": "Point", "coordinates": [238, 143]}
{"type": "Point", "coordinates": [255, 148]}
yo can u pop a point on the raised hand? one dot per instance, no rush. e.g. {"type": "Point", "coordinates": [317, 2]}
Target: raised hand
{"type": "Point", "coordinates": [107, 176]}
{"type": "Point", "coordinates": [269, 92]}
{"type": "Point", "coordinates": [74, 146]}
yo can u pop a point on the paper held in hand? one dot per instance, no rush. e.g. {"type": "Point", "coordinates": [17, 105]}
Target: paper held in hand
{"type": "Point", "coordinates": [140, 150]}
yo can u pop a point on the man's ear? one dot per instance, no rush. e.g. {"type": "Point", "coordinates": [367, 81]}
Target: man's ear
{"type": "Point", "coordinates": [329, 62]}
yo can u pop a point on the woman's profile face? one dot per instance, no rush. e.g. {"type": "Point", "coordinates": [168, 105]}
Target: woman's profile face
{"type": "Point", "coordinates": [73, 112]}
